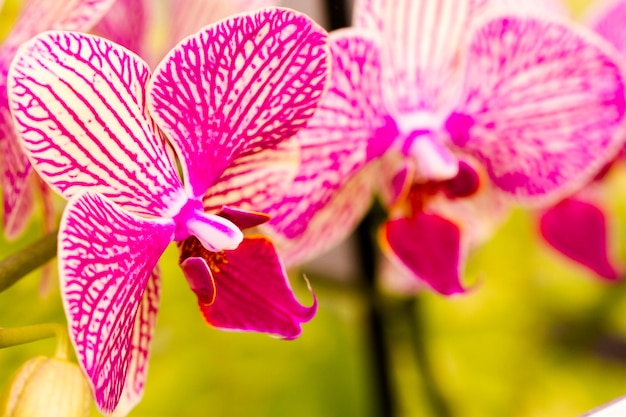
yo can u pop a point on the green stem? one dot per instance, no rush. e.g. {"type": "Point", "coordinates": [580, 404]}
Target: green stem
{"type": "Point", "coordinates": [16, 266]}
{"type": "Point", "coordinates": [27, 334]}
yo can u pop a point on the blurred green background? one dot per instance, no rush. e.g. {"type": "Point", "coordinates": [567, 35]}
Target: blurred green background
{"type": "Point", "coordinates": [538, 336]}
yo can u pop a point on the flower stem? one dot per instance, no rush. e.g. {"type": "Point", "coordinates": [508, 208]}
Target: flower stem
{"type": "Point", "coordinates": [413, 313]}
{"type": "Point", "coordinates": [16, 266]}
{"type": "Point", "coordinates": [27, 334]}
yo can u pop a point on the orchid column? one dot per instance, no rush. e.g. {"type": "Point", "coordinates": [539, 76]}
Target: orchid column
{"type": "Point", "coordinates": [229, 98]}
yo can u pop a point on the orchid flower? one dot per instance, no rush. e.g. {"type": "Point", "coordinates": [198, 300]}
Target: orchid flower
{"type": "Point", "coordinates": [90, 117]}
{"type": "Point", "coordinates": [35, 16]}
{"type": "Point", "coordinates": [579, 226]}
{"type": "Point", "coordinates": [129, 22]}
{"type": "Point", "coordinates": [458, 108]}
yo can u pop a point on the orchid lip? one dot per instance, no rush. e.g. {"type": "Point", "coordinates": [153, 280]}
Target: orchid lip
{"type": "Point", "coordinates": [214, 232]}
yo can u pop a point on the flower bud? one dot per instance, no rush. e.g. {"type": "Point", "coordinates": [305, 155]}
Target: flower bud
{"type": "Point", "coordinates": [47, 387]}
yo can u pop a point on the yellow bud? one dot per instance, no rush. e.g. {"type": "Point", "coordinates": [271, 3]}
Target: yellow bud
{"type": "Point", "coordinates": [47, 387]}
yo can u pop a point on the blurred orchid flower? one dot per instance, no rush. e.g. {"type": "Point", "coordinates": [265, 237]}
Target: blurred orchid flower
{"type": "Point", "coordinates": [481, 106]}
{"type": "Point", "coordinates": [35, 16]}
{"type": "Point", "coordinates": [230, 98]}
{"type": "Point", "coordinates": [579, 226]}
{"type": "Point", "coordinates": [130, 22]}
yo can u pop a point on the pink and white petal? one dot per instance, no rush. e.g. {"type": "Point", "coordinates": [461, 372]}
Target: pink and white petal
{"type": "Point", "coordinates": [15, 170]}
{"type": "Point", "coordinates": [256, 179]}
{"type": "Point", "coordinates": [606, 18]}
{"type": "Point", "coordinates": [423, 51]}
{"type": "Point", "coordinates": [143, 331]}
{"type": "Point", "coordinates": [331, 224]}
{"type": "Point", "coordinates": [252, 289]}
{"type": "Point", "coordinates": [106, 258]}
{"type": "Point", "coordinates": [578, 229]}
{"type": "Point", "coordinates": [245, 83]}
{"type": "Point", "coordinates": [78, 105]}
{"type": "Point", "coordinates": [349, 129]}
{"type": "Point", "coordinates": [543, 106]}
{"type": "Point", "coordinates": [127, 23]}
{"type": "Point", "coordinates": [189, 16]}
{"type": "Point", "coordinates": [535, 7]}
{"type": "Point", "coordinates": [428, 245]}
{"type": "Point", "coordinates": [40, 15]}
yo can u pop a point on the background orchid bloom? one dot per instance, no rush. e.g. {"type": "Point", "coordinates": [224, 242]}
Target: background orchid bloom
{"type": "Point", "coordinates": [230, 98]}
{"type": "Point", "coordinates": [579, 226]}
{"type": "Point", "coordinates": [480, 106]}
{"type": "Point", "coordinates": [35, 16]}
{"type": "Point", "coordinates": [131, 22]}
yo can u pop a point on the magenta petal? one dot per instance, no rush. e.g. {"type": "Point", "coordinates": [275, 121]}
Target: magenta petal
{"type": "Point", "coordinates": [106, 257]}
{"type": "Point", "coordinates": [349, 129]}
{"type": "Point", "coordinates": [246, 83]}
{"type": "Point", "coordinates": [547, 104]}
{"type": "Point", "coordinates": [608, 21]}
{"type": "Point", "coordinates": [200, 279]}
{"type": "Point", "coordinates": [145, 324]}
{"type": "Point", "coordinates": [243, 219]}
{"type": "Point", "coordinates": [83, 122]}
{"type": "Point", "coordinates": [578, 230]}
{"type": "Point", "coordinates": [127, 23]}
{"type": "Point", "coordinates": [252, 289]}
{"type": "Point", "coordinates": [429, 246]}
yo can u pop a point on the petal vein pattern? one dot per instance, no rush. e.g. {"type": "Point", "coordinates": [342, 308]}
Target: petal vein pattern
{"type": "Point", "coordinates": [106, 258]}
{"type": "Point", "coordinates": [338, 141]}
{"type": "Point", "coordinates": [84, 124]}
{"type": "Point", "coordinates": [551, 110]}
{"type": "Point", "coordinates": [253, 80]}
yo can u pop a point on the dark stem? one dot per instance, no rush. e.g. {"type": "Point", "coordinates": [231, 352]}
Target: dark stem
{"type": "Point", "coordinates": [375, 318]}
{"type": "Point", "coordinates": [337, 12]}
{"type": "Point", "coordinates": [413, 313]}
{"type": "Point", "coordinates": [16, 266]}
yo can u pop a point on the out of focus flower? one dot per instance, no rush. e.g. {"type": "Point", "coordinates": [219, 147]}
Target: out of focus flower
{"type": "Point", "coordinates": [15, 171]}
{"type": "Point", "coordinates": [471, 105]}
{"type": "Point", "coordinates": [230, 98]}
{"type": "Point", "coordinates": [579, 226]}
{"type": "Point", "coordinates": [47, 387]}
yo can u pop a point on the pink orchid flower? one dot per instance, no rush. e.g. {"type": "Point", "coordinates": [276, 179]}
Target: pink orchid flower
{"type": "Point", "coordinates": [579, 226]}
{"type": "Point", "coordinates": [90, 117]}
{"type": "Point", "coordinates": [458, 108]}
{"type": "Point", "coordinates": [35, 16]}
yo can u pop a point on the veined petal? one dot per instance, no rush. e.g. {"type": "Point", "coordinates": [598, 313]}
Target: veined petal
{"type": "Point", "coordinates": [607, 20]}
{"type": "Point", "coordinates": [106, 257]}
{"type": "Point", "coordinates": [247, 82]}
{"type": "Point", "coordinates": [252, 291]}
{"type": "Point", "coordinates": [546, 102]}
{"type": "Point", "coordinates": [15, 170]}
{"type": "Point", "coordinates": [422, 41]}
{"type": "Point", "coordinates": [350, 128]}
{"type": "Point", "coordinates": [332, 223]}
{"type": "Point", "coordinates": [189, 16]}
{"type": "Point", "coordinates": [578, 230]}
{"type": "Point", "coordinates": [127, 23]}
{"type": "Point", "coordinates": [78, 104]}
{"type": "Point", "coordinates": [256, 179]}
{"type": "Point", "coordinates": [41, 15]}
{"type": "Point", "coordinates": [428, 245]}
{"type": "Point", "coordinates": [145, 323]}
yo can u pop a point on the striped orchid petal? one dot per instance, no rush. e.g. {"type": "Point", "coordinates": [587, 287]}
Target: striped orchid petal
{"type": "Point", "coordinates": [106, 257]}
{"type": "Point", "coordinates": [245, 83]}
{"type": "Point", "coordinates": [189, 16]}
{"type": "Point", "coordinates": [143, 330]}
{"type": "Point", "coordinates": [83, 122]}
{"type": "Point", "coordinates": [126, 23]}
{"type": "Point", "coordinates": [251, 291]}
{"type": "Point", "coordinates": [422, 40]}
{"type": "Point", "coordinates": [549, 113]}
{"type": "Point", "coordinates": [349, 129]}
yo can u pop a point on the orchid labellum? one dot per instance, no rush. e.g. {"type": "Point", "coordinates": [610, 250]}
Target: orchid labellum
{"type": "Point", "coordinates": [91, 119]}
{"type": "Point", "coordinates": [457, 108]}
